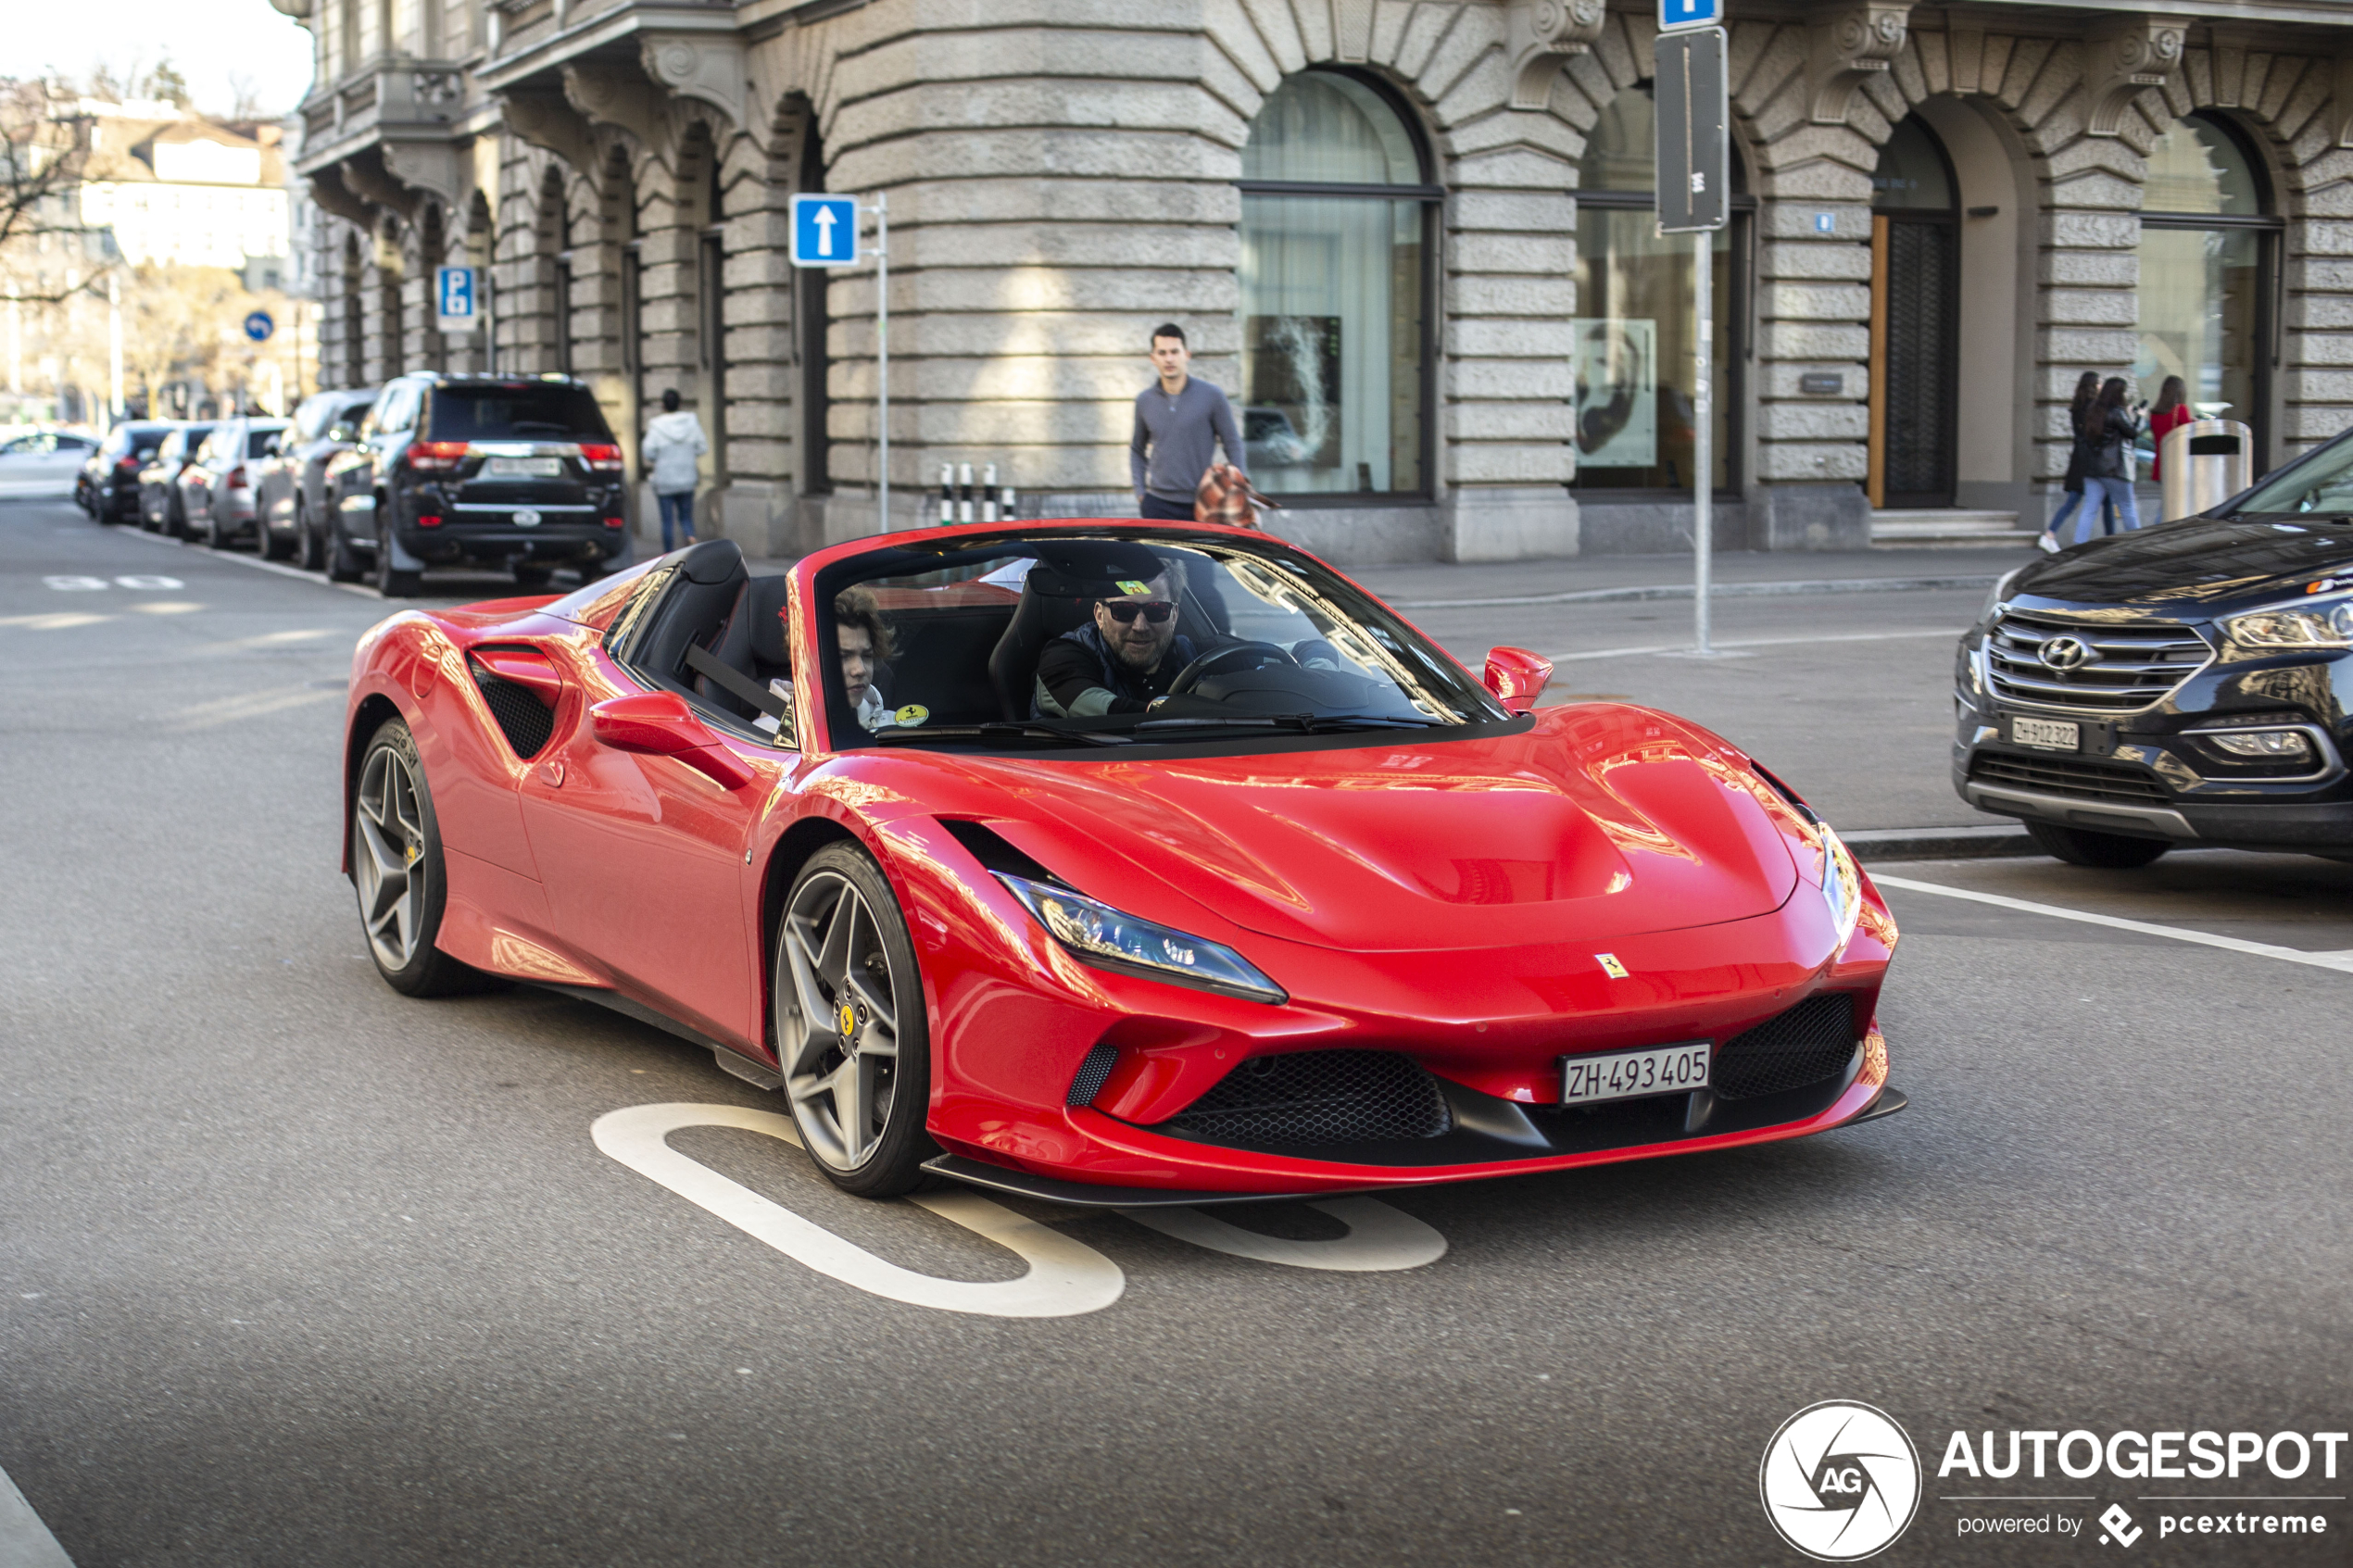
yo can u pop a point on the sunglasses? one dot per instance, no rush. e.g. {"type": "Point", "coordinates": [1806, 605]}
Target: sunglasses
{"type": "Point", "coordinates": [1126, 611]}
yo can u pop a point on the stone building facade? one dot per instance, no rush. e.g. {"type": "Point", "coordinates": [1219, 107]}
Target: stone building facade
{"type": "Point", "coordinates": [1483, 358]}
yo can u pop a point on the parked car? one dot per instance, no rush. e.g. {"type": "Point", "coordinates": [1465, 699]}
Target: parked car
{"type": "Point", "coordinates": [216, 489]}
{"type": "Point", "coordinates": [159, 480]}
{"type": "Point", "coordinates": [2187, 684]}
{"type": "Point", "coordinates": [1332, 915]}
{"type": "Point", "coordinates": [516, 473]}
{"type": "Point", "coordinates": [290, 494]}
{"type": "Point", "coordinates": [107, 488]}
{"type": "Point", "coordinates": [42, 462]}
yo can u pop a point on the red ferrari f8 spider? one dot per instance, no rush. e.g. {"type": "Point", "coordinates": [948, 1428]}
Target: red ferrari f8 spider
{"type": "Point", "coordinates": [1113, 863]}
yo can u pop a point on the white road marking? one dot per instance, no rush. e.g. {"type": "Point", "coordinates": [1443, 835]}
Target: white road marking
{"type": "Point", "coordinates": [1682, 648]}
{"type": "Point", "coordinates": [249, 705]}
{"type": "Point", "coordinates": [279, 567]}
{"type": "Point", "coordinates": [2340, 961]}
{"type": "Point", "coordinates": [1378, 1237]}
{"type": "Point", "coordinates": [25, 1542]}
{"type": "Point", "coordinates": [267, 640]}
{"type": "Point", "coordinates": [1065, 1278]}
{"type": "Point", "coordinates": [58, 621]}
{"type": "Point", "coordinates": [145, 581]}
{"type": "Point", "coordinates": [75, 584]}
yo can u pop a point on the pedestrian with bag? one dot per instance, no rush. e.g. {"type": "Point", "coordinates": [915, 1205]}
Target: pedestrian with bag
{"type": "Point", "coordinates": [2087, 392]}
{"type": "Point", "coordinates": [1180, 422]}
{"type": "Point", "coordinates": [674, 442]}
{"type": "Point", "coordinates": [2110, 429]}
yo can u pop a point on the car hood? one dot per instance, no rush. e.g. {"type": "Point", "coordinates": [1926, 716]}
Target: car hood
{"type": "Point", "coordinates": [2196, 567]}
{"type": "Point", "coordinates": [1599, 820]}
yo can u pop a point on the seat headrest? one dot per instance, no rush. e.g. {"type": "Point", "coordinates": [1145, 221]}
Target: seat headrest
{"type": "Point", "coordinates": [712, 561]}
{"type": "Point", "coordinates": [765, 602]}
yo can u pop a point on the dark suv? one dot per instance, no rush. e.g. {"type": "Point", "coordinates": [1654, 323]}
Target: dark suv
{"type": "Point", "coordinates": [514, 471]}
{"type": "Point", "coordinates": [109, 486]}
{"type": "Point", "coordinates": [2188, 684]}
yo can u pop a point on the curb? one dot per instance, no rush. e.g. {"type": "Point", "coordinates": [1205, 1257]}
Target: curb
{"type": "Point", "coordinates": [1716, 591]}
{"type": "Point", "coordinates": [1938, 844]}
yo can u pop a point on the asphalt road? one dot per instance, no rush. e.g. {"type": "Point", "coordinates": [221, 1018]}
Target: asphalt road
{"type": "Point", "coordinates": [295, 1271]}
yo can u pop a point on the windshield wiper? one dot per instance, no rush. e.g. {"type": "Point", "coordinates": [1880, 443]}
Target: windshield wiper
{"type": "Point", "coordinates": [1306, 723]}
{"type": "Point", "coordinates": [1000, 730]}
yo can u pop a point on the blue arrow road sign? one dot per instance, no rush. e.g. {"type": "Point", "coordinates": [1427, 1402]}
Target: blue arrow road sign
{"type": "Point", "coordinates": [259, 326]}
{"type": "Point", "coordinates": [825, 230]}
{"type": "Point", "coordinates": [1673, 14]}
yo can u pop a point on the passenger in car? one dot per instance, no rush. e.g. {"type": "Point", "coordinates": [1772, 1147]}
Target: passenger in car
{"type": "Point", "coordinates": [1121, 660]}
{"type": "Point", "coordinates": [864, 636]}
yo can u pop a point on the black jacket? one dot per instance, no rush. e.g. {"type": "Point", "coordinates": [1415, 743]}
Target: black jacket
{"type": "Point", "coordinates": [2109, 440]}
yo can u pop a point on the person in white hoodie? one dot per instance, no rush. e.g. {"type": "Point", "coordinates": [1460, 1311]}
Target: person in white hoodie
{"type": "Point", "coordinates": [673, 440]}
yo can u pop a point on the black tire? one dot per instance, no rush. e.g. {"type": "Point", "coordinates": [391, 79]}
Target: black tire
{"type": "Point", "coordinates": [213, 538]}
{"type": "Point", "coordinates": [532, 579]}
{"type": "Point", "coordinates": [175, 515]}
{"type": "Point", "coordinates": [310, 552]}
{"type": "Point", "coordinates": [148, 522]}
{"type": "Point", "coordinates": [392, 582]}
{"type": "Point", "coordinates": [2081, 847]}
{"type": "Point", "coordinates": [343, 562]}
{"type": "Point", "coordinates": [398, 869]}
{"type": "Point", "coordinates": [266, 542]}
{"type": "Point", "coordinates": [886, 1156]}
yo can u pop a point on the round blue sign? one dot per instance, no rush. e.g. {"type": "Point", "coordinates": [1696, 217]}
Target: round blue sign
{"type": "Point", "coordinates": [259, 326]}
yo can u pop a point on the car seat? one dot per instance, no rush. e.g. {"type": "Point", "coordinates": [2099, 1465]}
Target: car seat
{"type": "Point", "coordinates": [1038, 619]}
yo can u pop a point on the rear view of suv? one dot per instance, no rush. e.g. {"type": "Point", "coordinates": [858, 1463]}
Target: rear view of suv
{"type": "Point", "coordinates": [517, 472]}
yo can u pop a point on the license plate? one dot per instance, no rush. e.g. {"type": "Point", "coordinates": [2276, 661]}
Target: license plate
{"type": "Point", "coordinates": [1653, 1070]}
{"type": "Point", "coordinates": [2047, 734]}
{"type": "Point", "coordinates": [523, 468]}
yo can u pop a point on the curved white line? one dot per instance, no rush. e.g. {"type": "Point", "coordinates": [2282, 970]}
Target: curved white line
{"type": "Point", "coordinates": [1065, 1277]}
{"type": "Point", "coordinates": [1378, 1237]}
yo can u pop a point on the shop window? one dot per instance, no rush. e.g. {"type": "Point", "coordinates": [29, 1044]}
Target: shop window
{"type": "Point", "coordinates": [1337, 236]}
{"type": "Point", "coordinates": [2209, 270]}
{"type": "Point", "coordinates": [1632, 341]}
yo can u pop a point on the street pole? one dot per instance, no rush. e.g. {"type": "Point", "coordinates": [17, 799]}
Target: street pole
{"type": "Point", "coordinates": [1703, 432]}
{"type": "Point", "coordinates": [882, 344]}
{"type": "Point", "coordinates": [114, 344]}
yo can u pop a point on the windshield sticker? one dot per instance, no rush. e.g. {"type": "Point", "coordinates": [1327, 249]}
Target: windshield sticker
{"type": "Point", "coordinates": [911, 715]}
{"type": "Point", "coordinates": [2325, 583]}
{"type": "Point", "coordinates": [1129, 585]}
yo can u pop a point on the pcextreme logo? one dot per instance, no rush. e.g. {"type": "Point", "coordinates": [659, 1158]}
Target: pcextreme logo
{"type": "Point", "coordinates": [1840, 1481]}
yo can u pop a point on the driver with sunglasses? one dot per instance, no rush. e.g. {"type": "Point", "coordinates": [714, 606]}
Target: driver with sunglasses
{"type": "Point", "coordinates": [1118, 663]}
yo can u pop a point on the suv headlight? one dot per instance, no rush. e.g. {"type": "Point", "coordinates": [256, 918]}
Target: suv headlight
{"type": "Point", "coordinates": [2321, 625]}
{"type": "Point", "coordinates": [1097, 933]}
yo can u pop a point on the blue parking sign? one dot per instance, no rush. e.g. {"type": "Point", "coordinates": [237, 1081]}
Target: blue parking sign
{"type": "Point", "coordinates": [1673, 14]}
{"type": "Point", "coordinates": [454, 298]}
{"type": "Point", "coordinates": [825, 230]}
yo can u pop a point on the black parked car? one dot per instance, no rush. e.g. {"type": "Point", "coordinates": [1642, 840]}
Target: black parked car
{"type": "Point", "coordinates": [159, 501]}
{"type": "Point", "coordinates": [2187, 684]}
{"type": "Point", "coordinates": [291, 490]}
{"type": "Point", "coordinates": [519, 472]}
{"type": "Point", "coordinates": [107, 488]}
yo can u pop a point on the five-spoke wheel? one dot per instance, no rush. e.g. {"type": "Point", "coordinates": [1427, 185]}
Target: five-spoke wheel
{"type": "Point", "coordinates": [397, 867]}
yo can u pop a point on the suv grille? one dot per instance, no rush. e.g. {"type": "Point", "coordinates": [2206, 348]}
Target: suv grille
{"type": "Point", "coordinates": [2111, 782]}
{"type": "Point", "coordinates": [1810, 1042]}
{"type": "Point", "coordinates": [1318, 1097]}
{"type": "Point", "coordinates": [2135, 664]}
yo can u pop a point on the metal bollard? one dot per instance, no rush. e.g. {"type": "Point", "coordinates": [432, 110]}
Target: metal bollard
{"type": "Point", "coordinates": [2206, 463]}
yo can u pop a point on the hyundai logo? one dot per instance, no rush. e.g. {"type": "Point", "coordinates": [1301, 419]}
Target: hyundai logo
{"type": "Point", "coordinates": [526, 519]}
{"type": "Point", "coordinates": [2068, 653]}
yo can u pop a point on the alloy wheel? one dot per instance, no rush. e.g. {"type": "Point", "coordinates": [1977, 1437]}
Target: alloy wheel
{"type": "Point", "coordinates": [388, 840]}
{"type": "Point", "coordinates": [840, 1043]}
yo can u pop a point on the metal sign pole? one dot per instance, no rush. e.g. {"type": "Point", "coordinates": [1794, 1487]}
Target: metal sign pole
{"type": "Point", "coordinates": [882, 344]}
{"type": "Point", "coordinates": [1703, 430]}
{"type": "Point", "coordinates": [1692, 178]}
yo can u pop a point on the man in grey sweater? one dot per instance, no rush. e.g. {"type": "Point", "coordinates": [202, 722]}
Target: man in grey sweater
{"type": "Point", "coordinates": [1179, 424]}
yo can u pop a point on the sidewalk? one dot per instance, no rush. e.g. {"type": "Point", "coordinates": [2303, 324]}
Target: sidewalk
{"type": "Point", "coordinates": [1602, 578]}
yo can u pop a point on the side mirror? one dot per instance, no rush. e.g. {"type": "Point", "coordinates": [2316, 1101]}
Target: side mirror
{"type": "Point", "coordinates": [1517, 677]}
{"type": "Point", "coordinates": [661, 724]}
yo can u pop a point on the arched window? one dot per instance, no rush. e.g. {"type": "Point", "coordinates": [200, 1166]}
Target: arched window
{"type": "Point", "coordinates": [1632, 334]}
{"type": "Point", "coordinates": [2210, 256]}
{"type": "Point", "coordinates": [1338, 216]}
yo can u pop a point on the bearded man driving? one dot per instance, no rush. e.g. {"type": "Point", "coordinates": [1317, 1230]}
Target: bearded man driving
{"type": "Point", "coordinates": [1121, 660]}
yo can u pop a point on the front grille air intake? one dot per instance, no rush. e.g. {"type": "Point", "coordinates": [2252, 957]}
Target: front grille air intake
{"type": "Point", "coordinates": [1812, 1041]}
{"type": "Point", "coordinates": [1318, 1097]}
{"type": "Point", "coordinates": [1092, 1073]}
{"type": "Point", "coordinates": [2111, 782]}
{"type": "Point", "coordinates": [2132, 664]}
{"type": "Point", "coordinates": [524, 719]}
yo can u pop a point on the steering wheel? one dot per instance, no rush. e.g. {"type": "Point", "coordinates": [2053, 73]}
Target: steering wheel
{"type": "Point", "coordinates": [1217, 659]}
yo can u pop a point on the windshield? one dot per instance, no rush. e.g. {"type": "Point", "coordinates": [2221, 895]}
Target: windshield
{"type": "Point", "coordinates": [1111, 639]}
{"type": "Point", "coordinates": [523, 411]}
{"type": "Point", "coordinates": [2321, 482]}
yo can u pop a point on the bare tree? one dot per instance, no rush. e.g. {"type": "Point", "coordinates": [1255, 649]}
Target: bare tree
{"type": "Point", "coordinates": [45, 158]}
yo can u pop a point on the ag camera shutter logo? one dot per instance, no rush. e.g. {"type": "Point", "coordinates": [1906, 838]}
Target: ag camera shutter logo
{"type": "Point", "coordinates": [1840, 1481]}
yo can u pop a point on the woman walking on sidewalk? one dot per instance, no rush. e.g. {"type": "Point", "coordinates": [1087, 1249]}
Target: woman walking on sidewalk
{"type": "Point", "coordinates": [2087, 392]}
{"type": "Point", "coordinates": [2110, 430]}
{"type": "Point", "coordinates": [2172, 408]}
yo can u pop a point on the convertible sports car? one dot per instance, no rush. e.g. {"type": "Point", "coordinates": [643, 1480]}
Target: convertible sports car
{"type": "Point", "coordinates": [1113, 863]}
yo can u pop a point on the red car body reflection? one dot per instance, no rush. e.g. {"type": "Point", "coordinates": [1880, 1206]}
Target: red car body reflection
{"type": "Point", "coordinates": [1601, 877]}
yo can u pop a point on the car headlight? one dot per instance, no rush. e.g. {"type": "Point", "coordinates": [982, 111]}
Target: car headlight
{"type": "Point", "coordinates": [1842, 885]}
{"type": "Point", "coordinates": [2307, 626]}
{"type": "Point", "coordinates": [1097, 933]}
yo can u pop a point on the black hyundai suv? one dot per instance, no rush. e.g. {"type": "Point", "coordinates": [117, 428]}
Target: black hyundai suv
{"type": "Point", "coordinates": [2187, 684]}
{"type": "Point", "coordinates": [519, 472]}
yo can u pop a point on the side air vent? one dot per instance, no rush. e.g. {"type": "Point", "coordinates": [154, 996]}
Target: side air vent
{"type": "Point", "coordinates": [524, 717]}
{"type": "Point", "coordinates": [1318, 1097]}
{"type": "Point", "coordinates": [1811, 1042]}
{"type": "Point", "coordinates": [1092, 1073]}
{"type": "Point", "coordinates": [994, 854]}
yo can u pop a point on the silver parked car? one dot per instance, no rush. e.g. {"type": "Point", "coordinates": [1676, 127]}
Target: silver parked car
{"type": "Point", "coordinates": [216, 489]}
{"type": "Point", "coordinates": [291, 496]}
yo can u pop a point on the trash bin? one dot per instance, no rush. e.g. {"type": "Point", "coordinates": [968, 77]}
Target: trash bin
{"type": "Point", "coordinates": [2206, 462]}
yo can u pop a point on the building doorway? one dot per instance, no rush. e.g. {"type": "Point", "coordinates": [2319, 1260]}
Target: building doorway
{"type": "Point", "coordinates": [1915, 321]}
